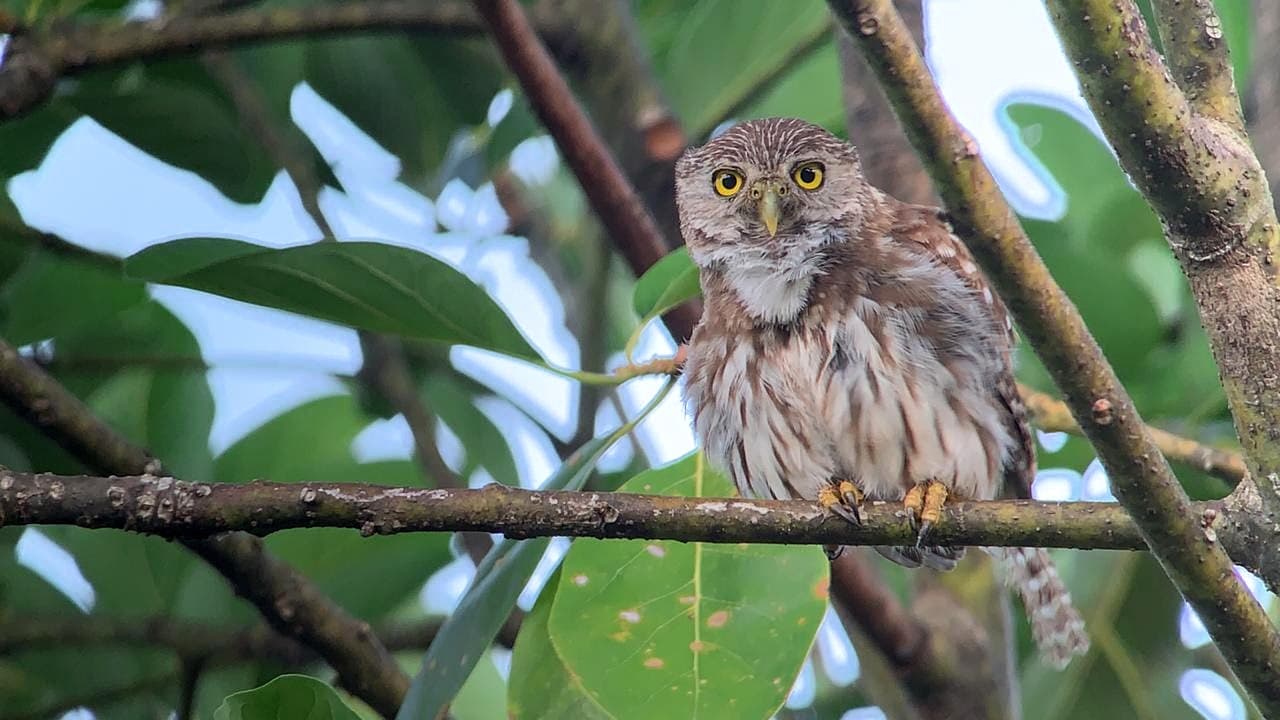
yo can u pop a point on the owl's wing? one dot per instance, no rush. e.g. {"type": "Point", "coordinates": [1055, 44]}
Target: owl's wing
{"type": "Point", "coordinates": [929, 230]}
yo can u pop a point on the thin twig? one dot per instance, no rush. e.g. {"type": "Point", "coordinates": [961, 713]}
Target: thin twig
{"type": "Point", "coordinates": [1141, 478]}
{"type": "Point", "coordinates": [287, 599]}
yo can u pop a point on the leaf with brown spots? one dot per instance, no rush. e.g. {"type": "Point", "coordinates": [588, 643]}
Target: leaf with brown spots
{"type": "Point", "coordinates": [655, 628]}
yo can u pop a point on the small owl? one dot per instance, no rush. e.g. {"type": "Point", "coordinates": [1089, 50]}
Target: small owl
{"type": "Point", "coordinates": [850, 349]}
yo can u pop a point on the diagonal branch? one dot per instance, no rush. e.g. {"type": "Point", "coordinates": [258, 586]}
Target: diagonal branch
{"type": "Point", "coordinates": [1141, 478]}
{"type": "Point", "coordinates": [287, 599]}
{"type": "Point", "coordinates": [1185, 149]}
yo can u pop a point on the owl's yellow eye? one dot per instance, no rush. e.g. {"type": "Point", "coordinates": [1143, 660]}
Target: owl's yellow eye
{"type": "Point", "coordinates": [727, 182]}
{"type": "Point", "coordinates": [808, 176]}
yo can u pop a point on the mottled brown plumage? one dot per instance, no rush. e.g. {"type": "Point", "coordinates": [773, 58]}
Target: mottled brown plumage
{"type": "Point", "coordinates": [850, 337]}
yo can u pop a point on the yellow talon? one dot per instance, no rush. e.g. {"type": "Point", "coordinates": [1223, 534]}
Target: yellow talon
{"type": "Point", "coordinates": [914, 502]}
{"type": "Point", "coordinates": [934, 496]}
{"type": "Point", "coordinates": [842, 498]}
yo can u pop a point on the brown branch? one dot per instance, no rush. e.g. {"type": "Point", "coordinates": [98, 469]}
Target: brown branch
{"type": "Point", "coordinates": [611, 196]}
{"type": "Point", "coordinates": [287, 599]}
{"type": "Point", "coordinates": [167, 507]}
{"type": "Point", "coordinates": [1177, 131]}
{"type": "Point", "coordinates": [37, 59]}
{"type": "Point", "coordinates": [217, 645]}
{"type": "Point", "coordinates": [1053, 415]}
{"type": "Point", "coordinates": [1141, 478]}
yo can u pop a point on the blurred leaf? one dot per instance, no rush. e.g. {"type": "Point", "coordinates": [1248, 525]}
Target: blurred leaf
{"type": "Point", "coordinates": [671, 281]}
{"type": "Point", "coordinates": [501, 577]}
{"type": "Point", "coordinates": [1087, 249]}
{"type": "Point", "coordinates": [689, 629]}
{"type": "Point", "coordinates": [541, 687]}
{"type": "Point", "coordinates": [368, 576]}
{"type": "Point", "coordinates": [362, 284]}
{"type": "Point", "coordinates": [35, 304]}
{"type": "Point", "coordinates": [291, 697]}
{"type": "Point", "coordinates": [410, 95]}
{"type": "Point", "coordinates": [484, 443]}
{"type": "Point", "coordinates": [174, 112]}
{"type": "Point", "coordinates": [806, 92]}
{"type": "Point", "coordinates": [710, 55]}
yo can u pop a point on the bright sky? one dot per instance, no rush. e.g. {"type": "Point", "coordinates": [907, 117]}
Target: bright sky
{"type": "Point", "coordinates": [96, 190]}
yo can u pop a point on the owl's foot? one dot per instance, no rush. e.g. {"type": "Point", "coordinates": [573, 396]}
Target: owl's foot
{"type": "Point", "coordinates": [844, 499]}
{"type": "Point", "coordinates": [924, 507]}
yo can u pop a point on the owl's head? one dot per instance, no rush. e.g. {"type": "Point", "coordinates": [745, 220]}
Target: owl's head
{"type": "Point", "coordinates": [769, 190]}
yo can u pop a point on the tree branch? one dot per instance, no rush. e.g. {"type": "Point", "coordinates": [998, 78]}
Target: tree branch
{"type": "Point", "coordinates": [611, 196]}
{"type": "Point", "coordinates": [287, 599]}
{"type": "Point", "coordinates": [217, 645]}
{"type": "Point", "coordinates": [1141, 478]}
{"type": "Point", "coordinates": [37, 59]}
{"type": "Point", "coordinates": [173, 508]}
{"type": "Point", "coordinates": [1185, 148]}
{"type": "Point", "coordinates": [1052, 415]}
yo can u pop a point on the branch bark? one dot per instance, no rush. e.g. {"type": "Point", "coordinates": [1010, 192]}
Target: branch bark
{"type": "Point", "coordinates": [37, 59]}
{"type": "Point", "coordinates": [167, 507]}
{"type": "Point", "coordinates": [289, 601]}
{"type": "Point", "coordinates": [1179, 133]}
{"type": "Point", "coordinates": [1141, 478]}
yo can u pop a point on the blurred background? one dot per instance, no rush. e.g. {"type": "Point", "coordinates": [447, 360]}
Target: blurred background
{"type": "Point", "coordinates": [421, 139]}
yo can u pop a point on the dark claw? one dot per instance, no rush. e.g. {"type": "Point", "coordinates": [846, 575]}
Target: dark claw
{"type": "Point", "coordinates": [923, 534]}
{"type": "Point", "coordinates": [849, 513]}
{"type": "Point", "coordinates": [833, 551]}
{"type": "Point", "coordinates": [851, 503]}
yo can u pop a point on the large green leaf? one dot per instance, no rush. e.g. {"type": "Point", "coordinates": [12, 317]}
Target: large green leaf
{"type": "Point", "coordinates": [288, 697]}
{"type": "Point", "coordinates": [671, 281]}
{"type": "Point", "coordinates": [362, 284]}
{"type": "Point", "coordinates": [671, 629]}
{"type": "Point", "coordinates": [501, 577]}
{"type": "Point", "coordinates": [541, 687]}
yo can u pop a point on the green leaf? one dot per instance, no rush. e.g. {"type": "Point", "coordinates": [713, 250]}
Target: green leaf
{"type": "Point", "coordinates": [541, 687]}
{"type": "Point", "coordinates": [470, 630]}
{"type": "Point", "coordinates": [671, 281]}
{"type": "Point", "coordinates": [35, 304]}
{"type": "Point", "coordinates": [367, 285]}
{"type": "Point", "coordinates": [687, 629]}
{"type": "Point", "coordinates": [287, 697]}
{"type": "Point", "coordinates": [711, 54]}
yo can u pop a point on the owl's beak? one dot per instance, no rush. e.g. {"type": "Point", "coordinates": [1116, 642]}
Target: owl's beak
{"type": "Point", "coordinates": [768, 206]}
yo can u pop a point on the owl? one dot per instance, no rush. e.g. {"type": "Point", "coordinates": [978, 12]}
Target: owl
{"type": "Point", "coordinates": [850, 349]}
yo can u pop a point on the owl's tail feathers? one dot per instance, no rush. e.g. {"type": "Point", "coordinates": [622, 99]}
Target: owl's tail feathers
{"type": "Point", "coordinates": [1056, 626]}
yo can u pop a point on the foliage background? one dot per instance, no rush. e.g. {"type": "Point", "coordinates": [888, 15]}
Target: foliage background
{"type": "Point", "coordinates": [411, 134]}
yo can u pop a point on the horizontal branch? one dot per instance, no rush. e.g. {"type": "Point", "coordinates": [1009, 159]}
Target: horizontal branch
{"type": "Point", "coordinates": [38, 58]}
{"type": "Point", "coordinates": [173, 508]}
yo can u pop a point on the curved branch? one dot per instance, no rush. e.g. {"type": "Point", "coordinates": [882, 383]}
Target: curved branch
{"type": "Point", "coordinates": [1141, 478]}
{"type": "Point", "coordinates": [287, 599]}
{"type": "Point", "coordinates": [1196, 49]}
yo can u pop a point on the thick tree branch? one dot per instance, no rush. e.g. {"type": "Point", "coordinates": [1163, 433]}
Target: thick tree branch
{"type": "Point", "coordinates": [1185, 148]}
{"type": "Point", "coordinates": [173, 508]}
{"type": "Point", "coordinates": [37, 59]}
{"type": "Point", "coordinates": [287, 599]}
{"type": "Point", "coordinates": [1141, 478]}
